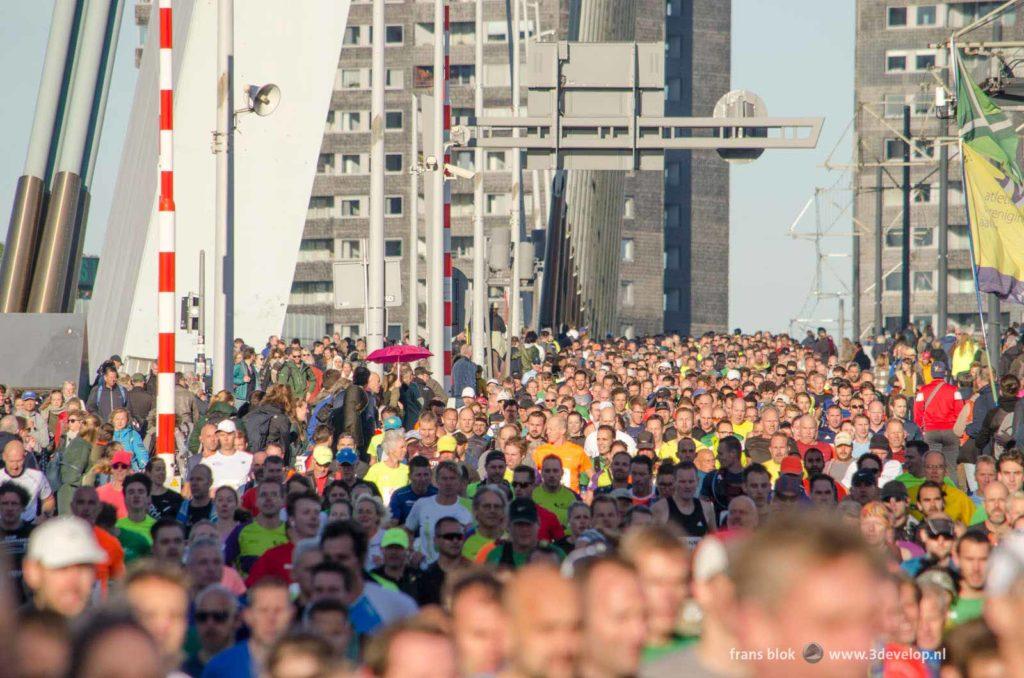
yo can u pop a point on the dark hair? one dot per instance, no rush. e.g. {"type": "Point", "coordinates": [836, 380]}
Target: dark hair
{"type": "Point", "coordinates": [138, 478]}
{"type": "Point", "coordinates": [755, 468]}
{"type": "Point", "coordinates": [919, 446]}
{"type": "Point", "coordinates": [975, 535]}
{"type": "Point", "coordinates": [360, 376]}
{"type": "Point", "coordinates": [165, 522]}
{"type": "Point", "coordinates": [346, 528]}
{"type": "Point", "coordinates": [296, 498]}
{"type": "Point", "coordinates": [639, 459]}
{"type": "Point", "coordinates": [731, 443]}
{"type": "Point", "coordinates": [931, 484]}
{"type": "Point", "coordinates": [334, 568]}
{"type": "Point", "coordinates": [831, 483]}
{"type": "Point", "coordinates": [9, 487]}
{"type": "Point", "coordinates": [869, 456]}
{"type": "Point", "coordinates": [419, 461]}
{"type": "Point", "coordinates": [685, 466]}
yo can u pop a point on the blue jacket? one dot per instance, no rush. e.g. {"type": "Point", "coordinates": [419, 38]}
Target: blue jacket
{"type": "Point", "coordinates": [982, 406]}
{"type": "Point", "coordinates": [234, 662]}
{"type": "Point", "coordinates": [131, 441]}
{"type": "Point", "coordinates": [463, 376]}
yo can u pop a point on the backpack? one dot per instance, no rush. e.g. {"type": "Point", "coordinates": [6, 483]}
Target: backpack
{"type": "Point", "coordinates": [257, 428]}
{"type": "Point", "coordinates": [1003, 436]}
{"type": "Point", "coordinates": [321, 414]}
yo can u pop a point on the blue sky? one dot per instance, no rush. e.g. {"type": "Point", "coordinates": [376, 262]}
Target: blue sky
{"type": "Point", "coordinates": [797, 55]}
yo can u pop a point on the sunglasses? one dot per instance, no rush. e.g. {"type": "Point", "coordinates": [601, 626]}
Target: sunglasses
{"type": "Point", "coordinates": [119, 467]}
{"type": "Point", "coordinates": [451, 536]}
{"type": "Point", "coordinates": [521, 483]}
{"type": "Point", "coordinates": [219, 617]}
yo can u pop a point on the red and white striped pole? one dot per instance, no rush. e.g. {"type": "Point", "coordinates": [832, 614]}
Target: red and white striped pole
{"type": "Point", "coordinates": [165, 278]}
{"type": "Point", "coordinates": [447, 242]}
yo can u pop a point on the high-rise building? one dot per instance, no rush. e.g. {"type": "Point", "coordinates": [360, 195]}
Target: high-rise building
{"type": "Point", "coordinates": [672, 246]}
{"type": "Point", "coordinates": [897, 68]}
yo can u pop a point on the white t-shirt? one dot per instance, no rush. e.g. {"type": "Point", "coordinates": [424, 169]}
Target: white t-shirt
{"type": "Point", "coordinates": [33, 482]}
{"type": "Point", "coordinates": [231, 470]}
{"type": "Point", "coordinates": [424, 516]}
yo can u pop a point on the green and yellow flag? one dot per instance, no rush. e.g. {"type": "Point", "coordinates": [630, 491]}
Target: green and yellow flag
{"type": "Point", "coordinates": [994, 189]}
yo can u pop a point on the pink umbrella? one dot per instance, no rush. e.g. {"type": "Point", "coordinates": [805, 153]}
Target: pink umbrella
{"type": "Point", "coordinates": [399, 353]}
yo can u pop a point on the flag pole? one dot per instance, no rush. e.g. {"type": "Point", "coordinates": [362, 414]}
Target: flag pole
{"type": "Point", "coordinates": [970, 230]}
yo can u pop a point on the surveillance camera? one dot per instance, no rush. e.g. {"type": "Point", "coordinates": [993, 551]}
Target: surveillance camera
{"type": "Point", "coordinates": [430, 162]}
{"type": "Point", "coordinates": [460, 135]}
{"type": "Point", "coordinates": [940, 97]}
{"type": "Point", "coordinates": [460, 172]}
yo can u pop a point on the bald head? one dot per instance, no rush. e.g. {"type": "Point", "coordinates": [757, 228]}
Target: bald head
{"type": "Point", "coordinates": [934, 466]}
{"type": "Point", "coordinates": [544, 622]}
{"type": "Point", "coordinates": [742, 513]}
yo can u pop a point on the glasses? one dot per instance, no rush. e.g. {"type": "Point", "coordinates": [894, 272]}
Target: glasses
{"type": "Point", "coordinates": [119, 467]}
{"type": "Point", "coordinates": [451, 536]}
{"type": "Point", "coordinates": [522, 483]}
{"type": "Point", "coordinates": [219, 617]}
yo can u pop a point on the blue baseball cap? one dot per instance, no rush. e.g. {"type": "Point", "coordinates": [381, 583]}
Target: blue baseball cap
{"type": "Point", "coordinates": [30, 395]}
{"type": "Point", "coordinates": [392, 424]}
{"type": "Point", "coordinates": [346, 455]}
{"type": "Point", "coordinates": [939, 370]}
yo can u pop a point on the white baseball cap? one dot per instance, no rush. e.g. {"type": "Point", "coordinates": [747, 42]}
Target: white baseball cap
{"type": "Point", "coordinates": [732, 374]}
{"type": "Point", "coordinates": [468, 392]}
{"type": "Point", "coordinates": [227, 426]}
{"type": "Point", "coordinates": [63, 542]}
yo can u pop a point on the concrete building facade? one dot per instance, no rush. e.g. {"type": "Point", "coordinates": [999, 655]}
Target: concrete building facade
{"type": "Point", "coordinates": [895, 67]}
{"type": "Point", "coordinates": [672, 246]}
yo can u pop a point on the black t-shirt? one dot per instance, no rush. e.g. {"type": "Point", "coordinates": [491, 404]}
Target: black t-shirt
{"type": "Point", "coordinates": [15, 544]}
{"type": "Point", "coordinates": [197, 513]}
{"type": "Point", "coordinates": [165, 505]}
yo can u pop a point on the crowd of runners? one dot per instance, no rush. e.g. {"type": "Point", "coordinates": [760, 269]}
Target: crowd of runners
{"type": "Point", "coordinates": [724, 505]}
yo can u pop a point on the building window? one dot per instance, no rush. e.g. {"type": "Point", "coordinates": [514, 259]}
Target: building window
{"type": "Point", "coordinates": [674, 46]}
{"type": "Point", "coordinates": [922, 193]}
{"type": "Point", "coordinates": [672, 258]}
{"type": "Point", "coordinates": [894, 282]}
{"type": "Point", "coordinates": [352, 208]}
{"type": "Point", "coordinates": [496, 204]}
{"type": "Point", "coordinates": [352, 35]}
{"type": "Point", "coordinates": [464, 159]}
{"type": "Point", "coordinates": [462, 115]}
{"type": "Point", "coordinates": [672, 219]}
{"type": "Point", "coordinates": [422, 76]}
{"type": "Point", "coordinates": [393, 120]}
{"type": "Point", "coordinates": [895, 63]}
{"type": "Point", "coordinates": [351, 163]}
{"type": "Point", "coordinates": [394, 35]}
{"type": "Point", "coordinates": [393, 206]}
{"type": "Point", "coordinates": [629, 208]}
{"type": "Point", "coordinates": [351, 250]}
{"type": "Point", "coordinates": [924, 281]}
{"type": "Point", "coordinates": [316, 249]}
{"type": "Point", "coordinates": [673, 89]}
{"type": "Point", "coordinates": [497, 31]}
{"type": "Point", "coordinates": [352, 121]}
{"type": "Point", "coordinates": [321, 207]}
{"type": "Point", "coordinates": [325, 163]}
{"type": "Point", "coordinates": [627, 249]}
{"type": "Point", "coordinates": [893, 149]}
{"type": "Point", "coordinates": [892, 105]}
{"type": "Point", "coordinates": [896, 17]}
{"type": "Point", "coordinates": [921, 237]}
{"type": "Point", "coordinates": [306, 292]}
{"type": "Point", "coordinates": [462, 74]}
{"type": "Point", "coordinates": [672, 299]}
{"type": "Point", "coordinates": [394, 78]}
{"type": "Point", "coordinates": [926, 15]}
{"type": "Point", "coordinates": [392, 162]}
{"type": "Point", "coordinates": [462, 33]}
{"type": "Point", "coordinates": [392, 248]}
{"type": "Point", "coordinates": [960, 281]}
{"type": "Point", "coordinates": [922, 105]}
{"type": "Point", "coordinates": [495, 161]}
{"type": "Point", "coordinates": [672, 173]}
{"type": "Point", "coordinates": [924, 62]}
{"type": "Point", "coordinates": [462, 246]}
{"type": "Point", "coordinates": [626, 293]}
{"type": "Point", "coordinates": [351, 78]}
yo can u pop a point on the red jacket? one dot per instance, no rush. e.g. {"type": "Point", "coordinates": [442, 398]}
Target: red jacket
{"type": "Point", "coordinates": [942, 409]}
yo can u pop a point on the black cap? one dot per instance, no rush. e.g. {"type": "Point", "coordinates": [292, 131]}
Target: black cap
{"type": "Point", "coordinates": [939, 526]}
{"type": "Point", "coordinates": [879, 442]}
{"type": "Point", "coordinates": [522, 511]}
{"type": "Point", "coordinates": [494, 455]}
{"type": "Point", "coordinates": [645, 440]}
{"type": "Point", "coordinates": [865, 477]}
{"type": "Point", "coordinates": [894, 489]}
